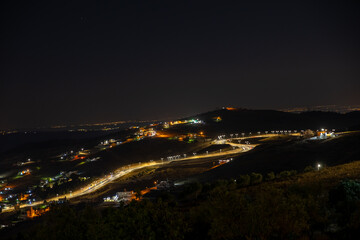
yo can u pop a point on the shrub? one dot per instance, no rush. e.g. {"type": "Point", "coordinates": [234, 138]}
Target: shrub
{"type": "Point", "coordinates": [243, 180]}
{"type": "Point", "coordinates": [309, 169]}
{"type": "Point", "coordinates": [256, 178]}
{"type": "Point", "coordinates": [192, 190]}
{"type": "Point", "coordinates": [348, 190]}
{"type": "Point", "coordinates": [270, 176]}
{"type": "Point", "coordinates": [285, 174]}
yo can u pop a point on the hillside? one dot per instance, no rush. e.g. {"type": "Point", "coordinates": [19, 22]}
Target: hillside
{"type": "Point", "coordinates": [291, 154]}
{"type": "Point", "coordinates": [242, 120]}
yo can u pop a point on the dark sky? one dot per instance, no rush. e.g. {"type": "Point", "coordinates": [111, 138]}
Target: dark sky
{"type": "Point", "coordinates": [64, 62]}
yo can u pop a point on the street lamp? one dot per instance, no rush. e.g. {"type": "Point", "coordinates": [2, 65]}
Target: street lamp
{"type": "Point", "coordinates": [318, 166]}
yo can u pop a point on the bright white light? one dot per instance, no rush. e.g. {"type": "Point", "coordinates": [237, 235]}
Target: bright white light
{"type": "Point", "coordinates": [318, 166]}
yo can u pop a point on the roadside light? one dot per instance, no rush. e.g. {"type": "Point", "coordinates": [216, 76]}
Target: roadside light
{"type": "Point", "coordinates": [318, 166]}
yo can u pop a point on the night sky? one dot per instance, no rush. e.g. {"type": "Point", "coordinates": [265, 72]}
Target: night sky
{"type": "Point", "coordinates": [66, 63]}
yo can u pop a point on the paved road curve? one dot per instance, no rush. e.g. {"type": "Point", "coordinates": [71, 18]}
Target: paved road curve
{"type": "Point", "coordinates": [99, 183]}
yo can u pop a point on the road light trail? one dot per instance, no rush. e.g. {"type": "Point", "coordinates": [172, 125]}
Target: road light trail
{"type": "Point", "coordinates": [102, 182]}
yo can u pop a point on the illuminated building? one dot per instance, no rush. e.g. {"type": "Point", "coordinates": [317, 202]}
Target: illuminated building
{"type": "Point", "coordinates": [31, 213]}
{"type": "Point", "coordinates": [217, 119]}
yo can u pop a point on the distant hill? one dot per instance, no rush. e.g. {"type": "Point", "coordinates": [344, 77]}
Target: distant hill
{"type": "Point", "coordinates": [238, 120]}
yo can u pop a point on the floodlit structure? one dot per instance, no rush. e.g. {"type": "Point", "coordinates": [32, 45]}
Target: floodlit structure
{"type": "Point", "coordinates": [121, 197]}
{"type": "Point", "coordinates": [31, 213]}
{"type": "Point", "coordinates": [323, 134]}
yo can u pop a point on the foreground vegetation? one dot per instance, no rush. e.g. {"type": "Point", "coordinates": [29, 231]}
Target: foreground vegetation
{"type": "Point", "coordinates": [283, 206]}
